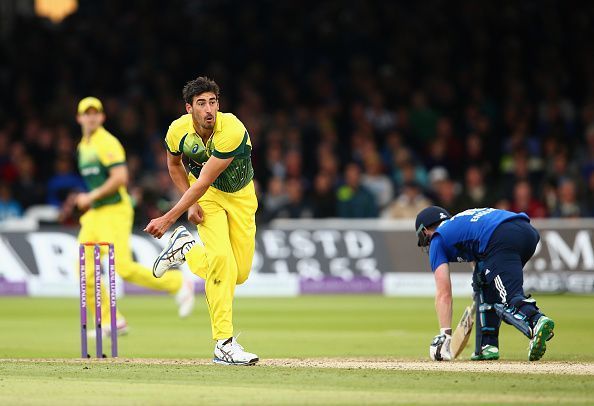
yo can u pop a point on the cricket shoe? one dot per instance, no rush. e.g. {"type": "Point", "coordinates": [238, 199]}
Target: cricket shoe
{"type": "Point", "coordinates": [543, 332]}
{"type": "Point", "coordinates": [185, 298]}
{"type": "Point", "coordinates": [230, 352]}
{"type": "Point", "coordinates": [488, 353]}
{"type": "Point", "coordinates": [174, 253]}
{"type": "Point", "coordinates": [121, 326]}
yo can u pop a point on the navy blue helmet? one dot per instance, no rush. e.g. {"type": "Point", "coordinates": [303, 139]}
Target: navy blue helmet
{"type": "Point", "coordinates": [426, 218]}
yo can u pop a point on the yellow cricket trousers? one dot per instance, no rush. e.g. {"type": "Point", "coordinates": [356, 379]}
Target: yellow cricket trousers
{"type": "Point", "coordinates": [113, 223]}
{"type": "Point", "coordinates": [229, 236]}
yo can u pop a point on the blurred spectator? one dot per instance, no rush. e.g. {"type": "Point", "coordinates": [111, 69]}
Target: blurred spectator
{"type": "Point", "coordinates": [323, 200]}
{"type": "Point", "coordinates": [454, 149]}
{"type": "Point", "coordinates": [435, 177]}
{"type": "Point", "coordinates": [27, 190]}
{"type": "Point", "coordinates": [556, 114]}
{"type": "Point", "coordinates": [9, 207]}
{"type": "Point", "coordinates": [524, 201]}
{"type": "Point", "coordinates": [354, 200]}
{"type": "Point", "coordinates": [274, 163]}
{"type": "Point", "coordinates": [423, 118]}
{"type": "Point", "coordinates": [519, 168]}
{"type": "Point", "coordinates": [561, 167]}
{"type": "Point", "coordinates": [378, 115]}
{"type": "Point", "coordinates": [585, 156]}
{"type": "Point", "coordinates": [549, 195]}
{"type": "Point", "coordinates": [503, 204]}
{"type": "Point", "coordinates": [437, 155]}
{"type": "Point", "coordinates": [294, 168]}
{"type": "Point", "coordinates": [296, 206]}
{"type": "Point", "coordinates": [8, 171]}
{"type": "Point", "coordinates": [568, 204]}
{"type": "Point", "coordinates": [408, 203]}
{"type": "Point", "coordinates": [153, 197]}
{"type": "Point", "coordinates": [476, 155]}
{"type": "Point", "coordinates": [393, 143]}
{"type": "Point", "coordinates": [274, 199]}
{"type": "Point", "coordinates": [64, 182]}
{"type": "Point", "coordinates": [442, 190]}
{"type": "Point", "coordinates": [406, 169]}
{"type": "Point", "coordinates": [376, 181]}
{"type": "Point", "coordinates": [476, 193]}
{"type": "Point", "coordinates": [328, 162]}
{"type": "Point", "coordinates": [590, 195]}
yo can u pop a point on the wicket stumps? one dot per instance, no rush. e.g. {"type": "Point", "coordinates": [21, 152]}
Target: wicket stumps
{"type": "Point", "coordinates": [97, 287]}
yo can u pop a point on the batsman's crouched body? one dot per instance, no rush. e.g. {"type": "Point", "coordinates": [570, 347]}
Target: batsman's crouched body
{"type": "Point", "coordinates": [500, 243]}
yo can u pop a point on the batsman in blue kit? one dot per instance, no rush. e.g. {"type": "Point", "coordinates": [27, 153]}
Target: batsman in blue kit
{"type": "Point", "coordinates": [499, 243]}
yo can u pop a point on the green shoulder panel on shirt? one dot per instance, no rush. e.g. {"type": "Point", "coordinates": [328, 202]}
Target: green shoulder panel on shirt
{"type": "Point", "coordinates": [176, 131]}
{"type": "Point", "coordinates": [241, 150]}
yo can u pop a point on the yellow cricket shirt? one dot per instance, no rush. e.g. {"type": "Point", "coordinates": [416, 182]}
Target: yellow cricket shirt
{"type": "Point", "coordinates": [229, 139]}
{"type": "Point", "coordinates": [96, 156]}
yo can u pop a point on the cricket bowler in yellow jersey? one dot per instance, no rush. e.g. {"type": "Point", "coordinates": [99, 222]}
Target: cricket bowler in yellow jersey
{"type": "Point", "coordinates": [219, 196]}
{"type": "Point", "coordinates": [109, 214]}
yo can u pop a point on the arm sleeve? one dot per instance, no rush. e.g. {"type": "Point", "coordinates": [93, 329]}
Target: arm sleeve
{"type": "Point", "coordinates": [111, 153]}
{"type": "Point", "coordinates": [437, 255]}
{"type": "Point", "coordinates": [232, 141]}
{"type": "Point", "coordinates": [172, 141]}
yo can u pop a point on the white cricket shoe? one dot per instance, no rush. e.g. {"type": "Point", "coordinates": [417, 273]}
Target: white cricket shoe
{"type": "Point", "coordinates": [230, 352]}
{"type": "Point", "coordinates": [174, 253]}
{"type": "Point", "coordinates": [185, 298]}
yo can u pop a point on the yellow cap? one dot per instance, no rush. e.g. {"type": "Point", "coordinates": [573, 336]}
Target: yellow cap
{"type": "Point", "coordinates": [89, 102]}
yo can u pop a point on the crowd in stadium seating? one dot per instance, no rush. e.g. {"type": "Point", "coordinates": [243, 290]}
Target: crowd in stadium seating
{"type": "Point", "coordinates": [355, 110]}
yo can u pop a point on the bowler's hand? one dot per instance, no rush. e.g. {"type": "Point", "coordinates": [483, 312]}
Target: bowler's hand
{"type": "Point", "coordinates": [196, 214]}
{"type": "Point", "coordinates": [157, 227]}
{"type": "Point", "coordinates": [84, 201]}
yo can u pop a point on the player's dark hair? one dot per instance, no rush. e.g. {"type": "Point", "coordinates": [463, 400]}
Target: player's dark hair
{"type": "Point", "coordinates": [200, 85]}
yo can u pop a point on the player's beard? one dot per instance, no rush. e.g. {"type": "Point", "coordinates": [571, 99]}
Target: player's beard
{"type": "Point", "coordinates": [203, 123]}
{"type": "Point", "coordinates": [208, 125]}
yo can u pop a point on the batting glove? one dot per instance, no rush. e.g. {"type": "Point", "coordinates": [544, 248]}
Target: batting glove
{"type": "Point", "coordinates": [439, 350]}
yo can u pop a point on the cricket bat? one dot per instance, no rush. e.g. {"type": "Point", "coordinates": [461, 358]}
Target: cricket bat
{"type": "Point", "coordinates": [463, 329]}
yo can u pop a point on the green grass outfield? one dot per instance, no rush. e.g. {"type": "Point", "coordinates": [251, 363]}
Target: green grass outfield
{"type": "Point", "coordinates": [365, 328]}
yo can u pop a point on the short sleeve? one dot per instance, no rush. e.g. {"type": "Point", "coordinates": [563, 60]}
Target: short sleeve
{"type": "Point", "coordinates": [437, 252]}
{"type": "Point", "coordinates": [172, 140]}
{"type": "Point", "coordinates": [111, 152]}
{"type": "Point", "coordinates": [232, 140]}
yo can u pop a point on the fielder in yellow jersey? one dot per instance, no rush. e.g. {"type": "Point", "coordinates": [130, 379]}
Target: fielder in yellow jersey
{"type": "Point", "coordinates": [108, 211]}
{"type": "Point", "coordinates": [219, 196]}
